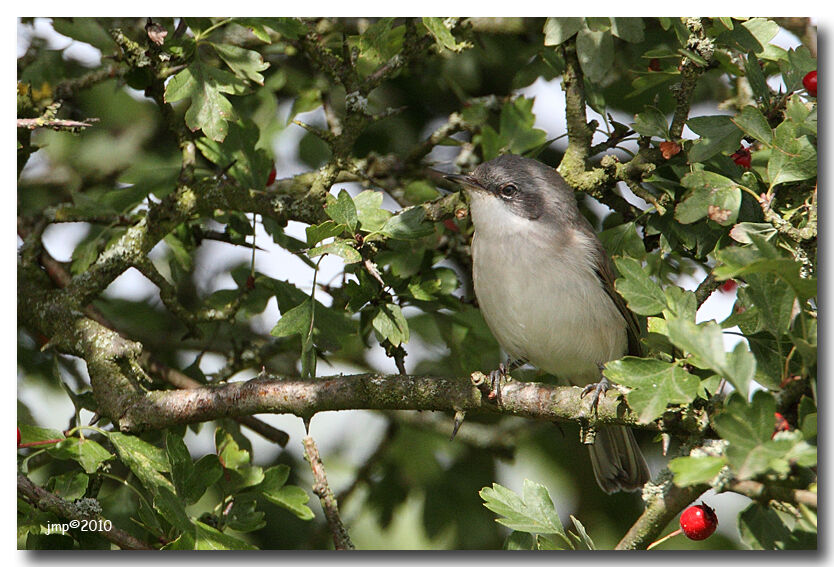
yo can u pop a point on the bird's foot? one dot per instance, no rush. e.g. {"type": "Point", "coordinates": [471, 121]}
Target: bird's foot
{"type": "Point", "coordinates": [497, 378]}
{"type": "Point", "coordinates": [596, 390]}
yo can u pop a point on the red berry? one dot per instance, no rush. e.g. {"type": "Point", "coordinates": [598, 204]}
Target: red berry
{"type": "Point", "coordinates": [729, 286]}
{"type": "Point", "coordinates": [654, 64]}
{"type": "Point", "coordinates": [699, 522]}
{"type": "Point", "coordinates": [781, 424]}
{"type": "Point", "coordinates": [742, 157]}
{"type": "Point", "coordinates": [18, 437]}
{"type": "Point", "coordinates": [271, 179]}
{"type": "Point", "coordinates": [809, 81]}
{"type": "Point", "coordinates": [450, 224]}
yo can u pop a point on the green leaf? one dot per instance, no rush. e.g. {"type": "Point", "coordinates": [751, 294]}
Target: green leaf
{"type": "Point", "coordinates": [389, 323]}
{"type": "Point", "coordinates": [755, 76]}
{"type": "Point", "coordinates": [180, 460]}
{"type": "Point", "coordinates": [172, 509]}
{"type": "Point", "coordinates": [696, 470]}
{"type": "Point", "coordinates": [443, 35]}
{"type": "Point", "coordinates": [654, 384]}
{"type": "Point", "coordinates": [710, 195]}
{"type": "Point", "coordinates": [342, 210]}
{"type": "Point", "coordinates": [204, 86]}
{"type": "Point", "coordinates": [341, 248]}
{"type": "Point", "coordinates": [792, 158]}
{"type": "Point", "coordinates": [292, 28]}
{"type": "Point", "coordinates": [583, 535]}
{"type": "Point", "coordinates": [680, 302]}
{"type": "Point", "coordinates": [742, 231]}
{"type": "Point", "coordinates": [274, 478]}
{"type": "Point", "coordinates": [146, 461]}
{"type": "Point", "coordinates": [518, 541]}
{"type": "Point", "coordinates": [307, 100]}
{"type": "Point", "coordinates": [595, 51]}
{"type": "Point", "coordinates": [292, 498]}
{"type": "Point", "coordinates": [407, 225]}
{"type": "Point", "coordinates": [598, 23]}
{"type": "Point", "coordinates": [752, 35]}
{"type": "Point", "coordinates": [318, 232]}
{"type": "Point", "coordinates": [772, 299]}
{"type": "Point", "coordinates": [517, 126]}
{"type": "Point", "coordinates": [651, 80]}
{"type": "Point", "coordinates": [623, 239]}
{"type": "Point", "coordinates": [205, 473]}
{"type": "Point", "coordinates": [86, 452]}
{"type": "Point", "coordinates": [372, 217]}
{"type": "Point", "coordinates": [559, 30]}
{"type": "Point", "coordinates": [377, 44]}
{"type": "Point", "coordinates": [531, 512]}
{"type": "Point", "coordinates": [628, 29]}
{"type": "Point", "coordinates": [763, 257]}
{"type": "Point", "coordinates": [250, 165]}
{"type": "Point", "coordinates": [706, 345]}
{"type": "Point", "coordinates": [762, 527]}
{"type": "Point", "coordinates": [33, 433]}
{"type": "Point", "coordinates": [753, 449]}
{"type": "Point", "coordinates": [231, 455]}
{"type": "Point", "coordinates": [244, 516]}
{"type": "Point", "coordinates": [245, 63]}
{"type": "Point", "coordinates": [296, 321]}
{"type": "Point", "coordinates": [651, 122]}
{"type": "Point", "coordinates": [209, 538]}
{"type": "Point", "coordinates": [718, 134]}
{"type": "Point", "coordinates": [87, 30]}
{"type": "Point", "coordinates": [753, 123]}
{"type": "Point", "coordinates": [644, 295]}
{"type": "Point", "coordinates": [69, 486]}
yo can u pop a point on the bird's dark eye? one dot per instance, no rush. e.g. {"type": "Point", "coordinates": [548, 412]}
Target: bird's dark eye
{"type": "Point", "coordinates": [508, 190]}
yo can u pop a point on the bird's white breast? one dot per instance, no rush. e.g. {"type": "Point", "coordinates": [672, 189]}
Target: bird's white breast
{"type": "Point", "coordinates": [542, 299]}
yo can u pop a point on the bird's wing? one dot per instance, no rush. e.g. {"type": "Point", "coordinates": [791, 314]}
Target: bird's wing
{"type": "Point", "coordinates": [605, 273]}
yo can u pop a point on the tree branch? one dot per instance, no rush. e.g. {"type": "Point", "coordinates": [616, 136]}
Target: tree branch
{"type": "Point", "coordinates": [81, 510]}
{"type": "Point", "coordinates": [668, 501]}
{"type": "Point", "coordinates": [764, 493]}
{"type": "Point", "coordinates": [305, 398]}
{"type": "Point", "coordinates": [341, 539]}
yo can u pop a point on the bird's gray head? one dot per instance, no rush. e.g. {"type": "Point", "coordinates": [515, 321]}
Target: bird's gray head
{"type": "Point", "coordinates": [512, 187]}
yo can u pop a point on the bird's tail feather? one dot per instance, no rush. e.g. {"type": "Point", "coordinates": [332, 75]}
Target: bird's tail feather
{"type": "Point", "coordinates": [617, 460]}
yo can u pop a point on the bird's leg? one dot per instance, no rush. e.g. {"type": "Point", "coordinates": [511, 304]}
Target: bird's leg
{"type": "Point", "coordinates": [501, 376]}
{"type": "Point", "coordinates": [596, 390]}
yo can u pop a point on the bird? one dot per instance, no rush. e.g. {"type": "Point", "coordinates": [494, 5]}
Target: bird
{"type": "Point", "coordinates": [545, 286]}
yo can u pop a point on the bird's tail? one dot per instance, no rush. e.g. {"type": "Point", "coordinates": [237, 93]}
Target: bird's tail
{"type": "Point", "coordinates": [617, 460]}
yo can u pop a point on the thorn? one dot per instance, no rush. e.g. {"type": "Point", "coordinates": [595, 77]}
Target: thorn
{"type": "Point", "coordinates": [458, 421]}
{"type": "Point", "coordinates": [306, 421]}
{"type": "Point", "coordinates": [95, 419]}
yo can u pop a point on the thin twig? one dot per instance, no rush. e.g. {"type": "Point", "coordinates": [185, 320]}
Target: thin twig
{"type": "Point", "coordinates": [764, 493]}
{"type": "Point", "coordinates": [341, 539]}
{"type": "Point", "coordinates": [54, 124]}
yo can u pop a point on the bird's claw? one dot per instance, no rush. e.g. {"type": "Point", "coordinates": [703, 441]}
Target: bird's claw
{"type": "Point", "coordinates": [596, 390]}
{"type": "Point", "coordinates": [496, 379]}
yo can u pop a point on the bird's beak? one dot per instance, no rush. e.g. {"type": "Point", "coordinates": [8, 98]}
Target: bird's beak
{"type": "Point", "coordinates": [466, 181]}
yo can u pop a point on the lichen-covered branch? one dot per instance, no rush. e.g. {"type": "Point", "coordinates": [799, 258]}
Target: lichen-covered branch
{"type": "Point", "coordinates": [766, 492]}
{"type": "Point", "coordinates": [664, 504]}
{"type": "Point", "coordinates": [305, 398]}
{"type": "Point", "coordinates": [341, 538]}
{"type": "Point", "coordinates": [85, 509]}
{"type": "Point", "coordinates": [691, 70]}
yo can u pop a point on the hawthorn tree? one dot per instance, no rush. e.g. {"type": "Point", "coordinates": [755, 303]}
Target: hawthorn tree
{"type": "Point", "coordinates": [164, 150]}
